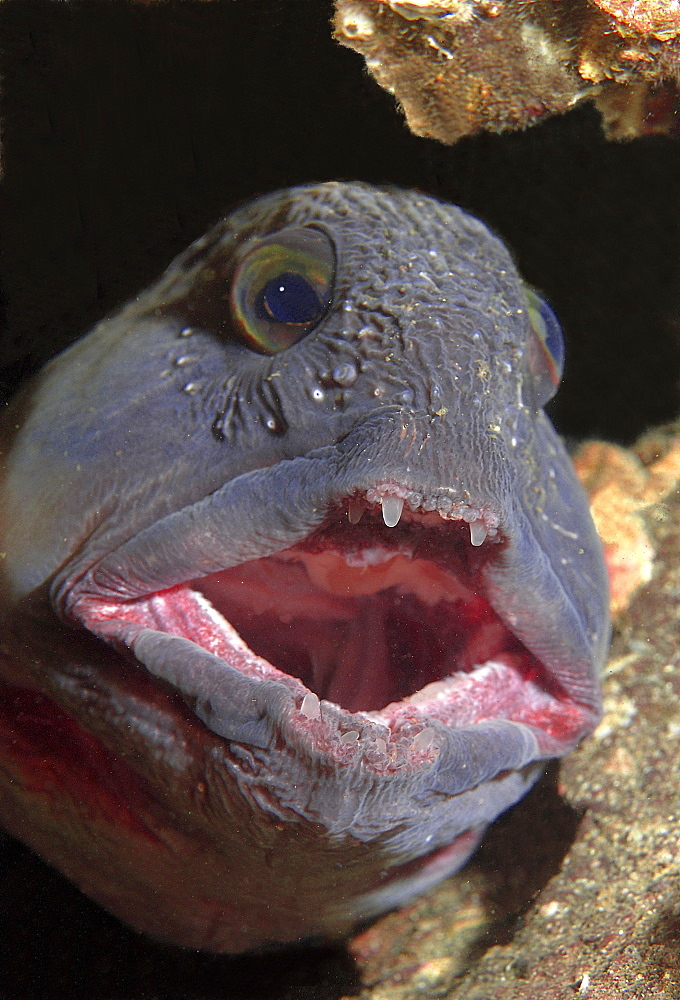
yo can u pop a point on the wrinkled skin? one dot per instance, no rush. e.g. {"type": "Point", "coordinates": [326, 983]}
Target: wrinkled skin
{"type": "Point", "coordinates": [164, 484]}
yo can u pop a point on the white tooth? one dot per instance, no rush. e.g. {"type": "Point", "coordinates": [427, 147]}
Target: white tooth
{"type": "Point", "coordinates": [424, 740]}
{"type": "Point", "coordinates": [351, 737]}
{"type": "Point", "coordinates": [477, 532]}
{"type": "Point", "coordinates": [310, 706]}
{"type": "Point", "coordinates": [391, 510]}
{"type": "Point", "coordinates": [354, 511]}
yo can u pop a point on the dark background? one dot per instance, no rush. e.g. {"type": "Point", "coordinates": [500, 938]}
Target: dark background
{"type": "Point", "coordinates": [127, 131]}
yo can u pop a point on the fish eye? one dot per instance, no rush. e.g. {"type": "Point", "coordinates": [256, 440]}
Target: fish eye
{"type": "Point", "coordinates": [282, 288]}
{"type": "Point", "coordinates": [546, 347]}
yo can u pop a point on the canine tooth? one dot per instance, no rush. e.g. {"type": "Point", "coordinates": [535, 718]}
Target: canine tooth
{"type": "Point", "coordinates": [310, 706]}
{"type": "Point", "coordinates": [391, 510]}
{"type": "Point", "coordinates": [354, 512]}
{"type": "Point", "coordinates": [477, 532]}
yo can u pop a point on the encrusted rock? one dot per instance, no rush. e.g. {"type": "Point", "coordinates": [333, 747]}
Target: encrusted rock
{"type": "Point", "coordinates": [461, 66]}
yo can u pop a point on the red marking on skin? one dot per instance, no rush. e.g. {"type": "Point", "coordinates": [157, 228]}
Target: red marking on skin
{"type": "Point", "coordinates": [55, 758]}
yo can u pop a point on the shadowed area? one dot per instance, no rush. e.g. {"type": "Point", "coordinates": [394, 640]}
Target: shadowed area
{"type": "Point", "coordinates": [94, 956]}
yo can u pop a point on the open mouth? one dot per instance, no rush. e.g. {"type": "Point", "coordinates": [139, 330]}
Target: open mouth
{"type": "Point", "coordinates": [377, 626]}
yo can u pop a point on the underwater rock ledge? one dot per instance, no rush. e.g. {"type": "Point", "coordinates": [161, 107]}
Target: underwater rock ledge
{"type": "Point", "coordinates": [462, 66]}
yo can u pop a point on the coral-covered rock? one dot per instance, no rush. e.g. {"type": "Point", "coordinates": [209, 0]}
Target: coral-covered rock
{"type": "Point", "coordinates": [626, 489]}
{"type": "Point", "coordinates": [461, 66]}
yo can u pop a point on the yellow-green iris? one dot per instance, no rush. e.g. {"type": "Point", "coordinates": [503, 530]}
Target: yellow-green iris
{"type": "Point", "coordinates": [282, 288]}
{"type": "Point", "coordinates": [546, 348]}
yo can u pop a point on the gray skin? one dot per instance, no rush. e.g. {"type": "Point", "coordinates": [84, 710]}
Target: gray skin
{"type": "Point", "coordinates": [183, 783]}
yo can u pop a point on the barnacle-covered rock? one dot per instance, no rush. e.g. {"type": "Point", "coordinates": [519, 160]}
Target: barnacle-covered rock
{"type": "Point", "coordinates": [461, 66]}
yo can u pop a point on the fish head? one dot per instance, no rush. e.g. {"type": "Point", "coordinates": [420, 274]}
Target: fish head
{"type": "Point", "coordinates": [290, 544]}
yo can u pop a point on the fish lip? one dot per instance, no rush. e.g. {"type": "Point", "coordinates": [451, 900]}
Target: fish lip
{"type": "Point", "coordinates": [274, 706]}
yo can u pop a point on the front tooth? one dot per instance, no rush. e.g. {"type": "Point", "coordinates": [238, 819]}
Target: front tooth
{"type": "Point", "coordinates": [311, 707]}
{"type": "Point", "coordinates": [477, 532]}
{"type": "Point", "coordinates": [391, 510]}
{"type": "Point", "coordinates": [423, 740]}
{"type": "Point", "coordinates": [354, 511]}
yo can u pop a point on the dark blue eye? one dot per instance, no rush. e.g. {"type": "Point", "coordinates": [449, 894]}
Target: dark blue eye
{"type": "Point", "coordinates": [289, 298]}
{"type": "Point", "coordinates": [546, 348]}
{"type": "Point", "coordinates": [282, 288]}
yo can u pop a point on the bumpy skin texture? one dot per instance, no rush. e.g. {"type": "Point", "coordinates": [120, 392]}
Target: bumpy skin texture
{"type": "Point", "coordinates": [180, 778]}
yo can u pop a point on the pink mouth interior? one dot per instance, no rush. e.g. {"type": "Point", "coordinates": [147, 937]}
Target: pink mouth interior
{"type": "Point", "coordinates": [365, 615]}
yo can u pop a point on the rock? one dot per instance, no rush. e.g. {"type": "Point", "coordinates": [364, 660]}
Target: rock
{"type": "Point", "coordinates": [461, 66]}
